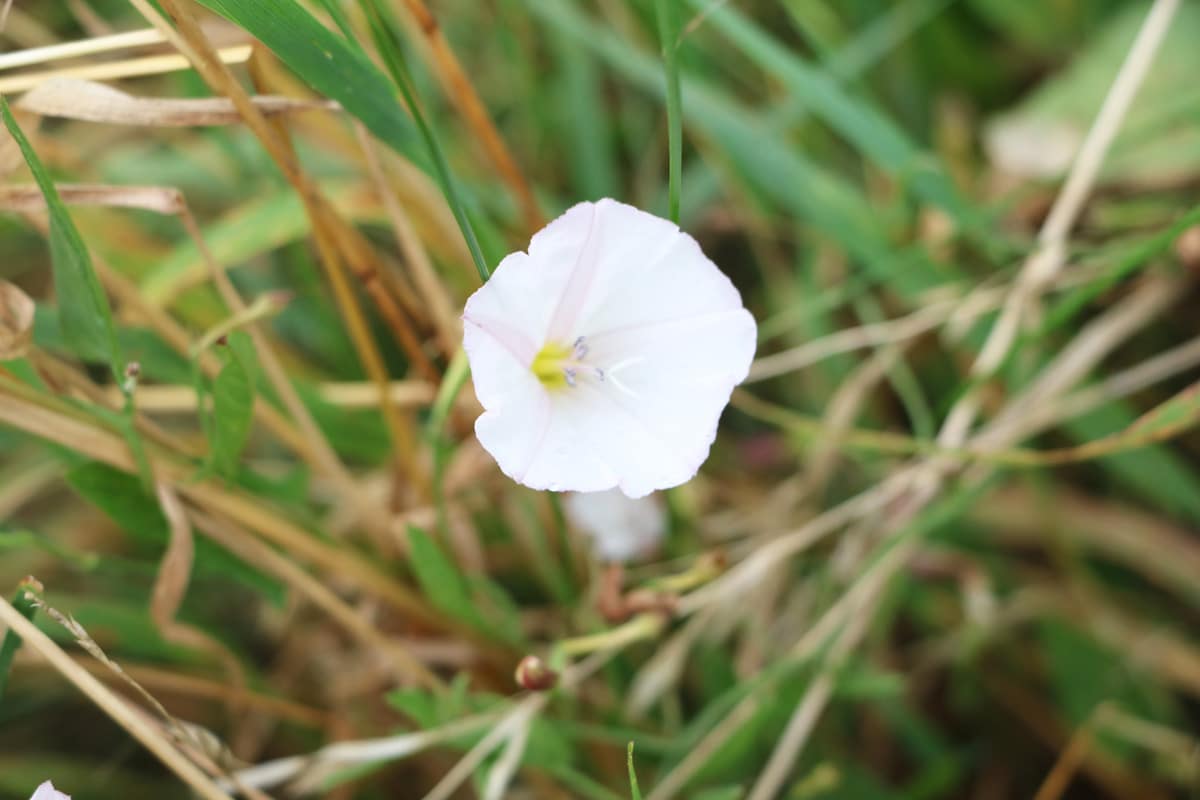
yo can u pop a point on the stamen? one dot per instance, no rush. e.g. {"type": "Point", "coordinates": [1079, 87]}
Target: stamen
{"type": "Point", "coordinates": [557, 366]}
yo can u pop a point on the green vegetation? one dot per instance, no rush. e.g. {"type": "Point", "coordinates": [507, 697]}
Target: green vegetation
{"type": "Point", "coordinates": [946, 544]}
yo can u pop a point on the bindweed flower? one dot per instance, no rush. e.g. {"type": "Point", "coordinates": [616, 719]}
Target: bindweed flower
{"type": "Point", "coordinates": [621, 528]}
{"type": "Point", "coordinates": [605, 355]}
{"type": "Point", "coordinates": [47, 792]}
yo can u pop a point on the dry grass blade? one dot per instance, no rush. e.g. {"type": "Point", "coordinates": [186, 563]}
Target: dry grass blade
{"type": "Point", "coordinates": [1169, 419]}
{"type": "Point", "coordinates": [307, 773]}
{"type": "Point", "coordinates": [10, 154]}
{"type": "Point", "coordinates": [168, 682]}
{"type": "Point", "coordinates": [434, 293]}
{"type": "Point", "coordinates": [170, 587]}
{"type": "Point", "coordinates": [111, 704]}
{"type": "Point", "coordinates": [1047, 260]}
{"type": "Point", "coordinates": [16, 321]}
{"type": "Point", "coordinates": [175, 399]}
{"type": "Point", "coordinates": [128, 68]}
{"type": "Point", "coordinates": [1166, 554]}
{"type": "Point", "coordinates": [84, 47]}
{"type": "Point", "coordinates": [158, 199]}
{"type": "Point", "coordinates": [340, 247]}
{"type": "Point", "coordinates": [24, 413]}
{"type": "Point", "coordinates": [70, 98]}
{"type": "Point", "coordinates": [176, 568]}
{"type": "Point", "coordinates": [461, 92]}
{"type": "Point", "coordinates": [408, 670]}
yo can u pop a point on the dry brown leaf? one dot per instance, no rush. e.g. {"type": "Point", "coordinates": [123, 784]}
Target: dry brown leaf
{"type": "Point", "coordinates": [28, 197]}
{"type": "Point", "coordinates": [175, 571]}
{"type": "Point", "coordinates": [10, 154]}
{"type": "Point", "coordinates": [71, 98]}
{"type": "Point", "coordinates": [16, 322]}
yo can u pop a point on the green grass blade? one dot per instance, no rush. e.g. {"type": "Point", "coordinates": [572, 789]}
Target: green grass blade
{"type": "Point", "coordinates": [86, 318]}
{"type": "Point", "coordinates": [867, 128]}
{"type": "Point", "coordinates": [1159, 474]}
{"type": "Point", "coordinates": [783, 175]}
{"type": "Point", "coordinates": [634, 791]}
{"type": "Point", "coordinates": [668, 33]}
{"type": "Point", "coordinates": [585, 125]}
{"type": "Point", "coordinates": [387, 40]}
{"type": "Point", "coordinates": [331, 65]}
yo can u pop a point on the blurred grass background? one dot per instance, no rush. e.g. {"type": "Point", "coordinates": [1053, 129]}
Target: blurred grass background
{"type": "Point", "coordinates": [872, 175]}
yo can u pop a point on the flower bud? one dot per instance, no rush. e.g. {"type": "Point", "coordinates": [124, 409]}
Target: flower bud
{"type": "Point", "coordinates": [535, 675]}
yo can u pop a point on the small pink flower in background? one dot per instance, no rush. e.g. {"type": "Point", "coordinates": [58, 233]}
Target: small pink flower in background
{"type": "Point", "coordinates": [605, 355]}
{"type": "Point", "coordinates": [47, 792]}
{"type": "Point", "coordinates": [621, 528]}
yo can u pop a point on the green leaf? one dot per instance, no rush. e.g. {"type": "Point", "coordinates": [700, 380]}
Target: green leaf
{"type": "Point", "coordinates": [86, 319]}
{"type": "Point", "coordinates": [23, 602]}
{"type": "Point", "coordinates": [233, 403]}
{"type": "Point", "coordinates": [333, 66]}
{"type": "Point", "coordinates": [124, 500]}
{"type": "Point", "coordinates": [439, 578]}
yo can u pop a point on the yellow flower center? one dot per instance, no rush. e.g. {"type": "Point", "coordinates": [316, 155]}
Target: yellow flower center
{"type": "Point", "coordinates": [558, 365]}
{"type": "Point", "coordinates": [550, 365]}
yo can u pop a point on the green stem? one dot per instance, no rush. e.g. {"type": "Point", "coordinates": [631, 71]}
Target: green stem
{"type": "Point", "coordinates": [668, 35]}
{"type": "Point", "coordinates": [643, 626]}
{"type": "Point", "coordinates": [435, 430]}
{"type": "Point", "coordinates": [24, 603]}
{"type": "Point", "coordinates": [387, 40]}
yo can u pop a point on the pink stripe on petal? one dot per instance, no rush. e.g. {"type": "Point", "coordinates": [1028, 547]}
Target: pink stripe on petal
{"type": "Point", "coordinates": [511, 339]}
{"type": "Point", "coordinates": [574, 295]}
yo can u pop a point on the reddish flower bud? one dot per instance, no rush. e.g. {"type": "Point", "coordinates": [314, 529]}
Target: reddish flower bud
{"type": "Point", "coordinates": [535, 675]}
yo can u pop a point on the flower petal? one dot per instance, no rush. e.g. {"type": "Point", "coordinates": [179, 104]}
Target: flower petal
{"type": "Point", "coordinates": [524, 427]}
{"type": "Point", "coordinates": [517, 302]}
{"type": "Point", "coordinates": [621, 528]}
{"type": "Point", "coordinates": [654, 416]}
{"type": "Point", "coordinates": [47, 792]}
{"type": "Point", "coordinates": [667, 339]}
{"type": "Point", "coordinates": [670, 278]}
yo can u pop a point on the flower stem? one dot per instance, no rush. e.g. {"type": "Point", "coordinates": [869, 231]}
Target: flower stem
{"type": "Point", "coordinates": [668, 34]}
{"type": "Point", "coordinates": [643, 626]}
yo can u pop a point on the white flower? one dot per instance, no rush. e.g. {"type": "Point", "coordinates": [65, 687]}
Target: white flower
{"type": "Point", "coordinates": [47, 792]}
{"type": "Point", "coordinates": [621, 528]}
{"type": "Point", "coordinates": [605, 355]}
